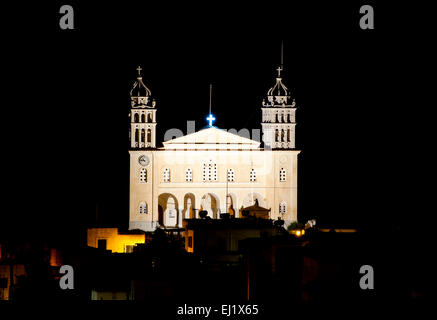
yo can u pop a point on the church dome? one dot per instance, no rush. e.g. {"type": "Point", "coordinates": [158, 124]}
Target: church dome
{"type": "Point", "coordinates": [139, 89]}
{"type": "Point", "coordinates": [279, 89]}
{"type": "Point", "coordinates": [140, 95]}
{"type": "Point", "coordinates": [278, 95]}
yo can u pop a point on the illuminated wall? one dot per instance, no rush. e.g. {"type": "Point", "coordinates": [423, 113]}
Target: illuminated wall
{"type": "Point", "coordinates": [115, 241]}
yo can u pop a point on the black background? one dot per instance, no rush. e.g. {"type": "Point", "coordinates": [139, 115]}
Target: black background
{"type": "Point", "coordinates": [66, 102]}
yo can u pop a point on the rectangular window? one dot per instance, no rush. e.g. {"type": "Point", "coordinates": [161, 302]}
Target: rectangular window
{"type": "Point", "coordinates": [214, 172]}
{"type": "Point", "coordinates": [189, 175]}
{"type": "Point", "coordinates": [209, 172]}
{"type": "Point", "coordinates": [252, 176]}
{"type": "Point", "coordinates": [230, 175]}
{"type": "Point", "coordinates": [166, 175]}
{"type": "Point", "coordinates": [101, 244]}
{"type": "Point", "coordinates": [282, 175]}
{"type": "Point", "coordinates": [190, 242]}
{"type": "Point", "coordinates": [204, 172]}
{"type": "Point", "coordinates": [143, 175]}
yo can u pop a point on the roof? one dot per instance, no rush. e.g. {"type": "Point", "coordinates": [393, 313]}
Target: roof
{"type": "Point", "coordinates": [139, 89]}
{"type": "Point", "coordinates": [231, 223]}
{"type": "Point", "coordinates": [256, 210]}
{"type": "Point", "coordinates": [279, 89]}
{"type": "Point", "coordinates": [213, 139]}
{"type": "Point", "coordinates": [256, 207]}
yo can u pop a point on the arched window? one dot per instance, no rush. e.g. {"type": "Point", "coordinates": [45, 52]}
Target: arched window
{"type": "Point", "coordinates": [149, 135]}
{"type": "Point", "coordinates": [252, 175]}
{"type": "Point", "coordinates": [188, 175]}
{"type": "Point", "coordinates": [136, 117]}
{"type": "Point", "coordinates": [230, 175]}
{"type": "Point", "coordinates": [143, 135]}
{"type": "Point", "coordinates": [143, 117]}
{"type": "Point", "coordinates": [288, 135]}
{"type": "Point", "coordinates": [143, 208]}
{"type": "Point", "coordinates": [143, 175]}
{"type": "Point", "coordinates": [276, 135]}
{"type": "Point", "coordinates": [166, 175]}
{"type": "Point", "coordinates": [282, 175]}
{"type": "Point", "coordinates": [137, 136]}
{"type": "Point", "coordinates": [283, 208]}
{"type": "Point", "coordinates": [149, 117]}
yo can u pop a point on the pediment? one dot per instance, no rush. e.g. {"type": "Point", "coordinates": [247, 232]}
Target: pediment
{"type": "Point", "coordinates": [211, 138]}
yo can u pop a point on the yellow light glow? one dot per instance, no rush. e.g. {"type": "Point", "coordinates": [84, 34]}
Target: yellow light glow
{"type": "Point", "coordinates": [114, 241]}
{"type": "Point", "coordinates": [298, 233]}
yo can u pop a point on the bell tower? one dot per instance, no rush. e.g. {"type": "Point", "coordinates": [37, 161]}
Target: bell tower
{"type": "Point", "coordinates": [142, 116]}
{"type": "Point", "coordinates": [278, 117]}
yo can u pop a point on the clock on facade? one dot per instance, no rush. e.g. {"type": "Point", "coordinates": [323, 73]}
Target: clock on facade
{"type": "Point", "coordinates": [143, 160]}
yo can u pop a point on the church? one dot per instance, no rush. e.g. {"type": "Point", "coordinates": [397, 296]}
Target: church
{"type": "Point", "coordinates": [211, 170]}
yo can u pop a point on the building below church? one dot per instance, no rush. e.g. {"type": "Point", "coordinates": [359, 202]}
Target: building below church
{"type": "Point", "coordinates": [211, 170]}
{"type": "Point", "coordinates": [114, 240]}
{"type": "Point", "coordinates": [222, 237]}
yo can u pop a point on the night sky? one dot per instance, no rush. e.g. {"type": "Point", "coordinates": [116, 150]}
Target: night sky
{"type": "Point", "coordinates": [66, 103]}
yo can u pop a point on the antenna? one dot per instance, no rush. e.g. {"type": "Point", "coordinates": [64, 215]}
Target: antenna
{"type": "Point", "coordinates": [227, 194]}
{"type": "Point", "coordinates": [210, 95]}
{"type": "Point", "coordinates": [210, 117]}
{"type": "Point", "coordinates": [282, 54]}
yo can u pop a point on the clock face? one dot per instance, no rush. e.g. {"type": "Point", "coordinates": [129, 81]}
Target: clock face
{"type": "Point", "coordinates": [143, 160]}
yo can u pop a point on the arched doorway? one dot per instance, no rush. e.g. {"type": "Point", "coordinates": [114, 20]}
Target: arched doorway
{"type": "Point", "coordinates": [189, 206]}
{"type": "Point", "coordinates": [160, 215]}
{"type": "Point", "coordinates": [249, 200]}
{"type": "Point", "coordinates": [210, 202]}
{"type": "Point", "coordinates": [231, 203]}
{"type": "Point", "coordinates": [169, 205]}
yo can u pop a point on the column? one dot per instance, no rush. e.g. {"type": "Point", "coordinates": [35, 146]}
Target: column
{"type": "Point", "coordinates": [180, 217]}
{"type": "Point", "coordinates": [132, 136]}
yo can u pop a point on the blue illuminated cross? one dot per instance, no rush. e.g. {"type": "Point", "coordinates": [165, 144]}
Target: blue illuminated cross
{"type": "Point", "coordinates": [210, 119]}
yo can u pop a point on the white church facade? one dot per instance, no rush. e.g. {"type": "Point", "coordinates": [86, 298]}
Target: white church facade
{"type": "Point", "coordinates": [211, 169]}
